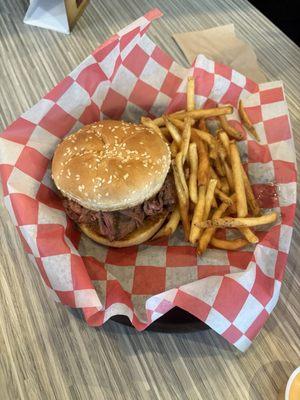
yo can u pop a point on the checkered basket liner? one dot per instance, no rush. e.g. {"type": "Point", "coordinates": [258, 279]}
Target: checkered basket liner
{"type": "Point", "coordinates": [129, 76]}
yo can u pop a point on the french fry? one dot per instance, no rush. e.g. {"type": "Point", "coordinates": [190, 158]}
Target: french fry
{"type": "Point", "coordinates": [198, 215]}
{"type": "Point", "coordinates": [203, 164]}
{"type": "Point", "coordinates": [157, 121]}
{"type": "Point", "coordinates": [148, 122]}
{"type": "Point", "coordinates": [193, 162]}
{"type": "Point", "coordinates": [246, 121]}
{"type": "Point", "coordinates": [229, 176]}
{"type": "Point", "coordinates": [224, 185]}
{"type": "Point", "coordinates": [222, 153]}
{"type": "Point", "coordinates": [213, 153]}
{"type": "Point", "coordinates": [251, 200]}
{"type": "Point", "coordinates": [170, 227]}
{"type": "Point", "coordinates": [160, 121]}
{"type": "Point", "coordinates": [179, 167]}
{"type": "Point", "coordinates": [206, 113]}
{"type": "Point", "coordinates": [229, 222]}
{"type": "Point", "coordinates": [190, 94]}
{"type": "Point", "coordinates": [223, 197]}
{"type": "Point", "coordinates": [229, 129]}
{"type": "Point", "coordinates": [209, 196]}
{"type": "Point", "coordinates": [249, 235]}
{"type": "Point", "coordinates": [213, 171]}
{"type": "Point", "coordinates": [173, 131]}
{"type": "Point", "coordinates": [219, 167]}
{"type": "Point", "coordinates": [214, 203]}
{"type": "Point", "coordinates": [224, 139]}
{"type": "Point", "coordinates": [206, 236]}
{"type": "Point", "coordinates": [165, 131]}
{"type": "Point", "coordinates": [178, 112]}
{"type": "Point", "coordinates": [239, 187]}
{"type": "Point", "coordinates": [173, 149]}
{"type": "Point", "coordinates": [207, 137]}
{"type": "Point", "coordinates": [215, 176]}
{"type": "Point", "coordinates": [233, 244]}
{"type": "Point", "coordinates": [182, 202]}
{"type": "Point", "coordinates": [232, 209]}
{"type": "Point", "coordinates": [202, 125]}
{"type": "Point", "coordinates": [185, 139]}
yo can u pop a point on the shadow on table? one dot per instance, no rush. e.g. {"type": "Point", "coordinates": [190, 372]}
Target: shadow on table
{"type": "Point", "coordinates": [269, 379]}
{"type": "Point", "coordinates": [196, 342]}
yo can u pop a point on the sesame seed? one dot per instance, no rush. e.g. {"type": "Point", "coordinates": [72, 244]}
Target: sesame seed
{"type": "Point", "coordinates": [125, 176]}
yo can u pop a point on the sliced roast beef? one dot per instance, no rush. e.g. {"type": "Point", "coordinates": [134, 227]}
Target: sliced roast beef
{"type": "Point", "coordinates": [115, 225]}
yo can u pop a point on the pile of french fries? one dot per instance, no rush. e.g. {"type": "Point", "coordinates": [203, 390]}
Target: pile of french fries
{"type": "Point", "coordinates": [212, 186]}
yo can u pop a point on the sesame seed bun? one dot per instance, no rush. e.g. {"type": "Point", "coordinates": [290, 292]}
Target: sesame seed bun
{"type": "Point", "coordinates": [111, 165]}
{"type": "Point", "coordinates": [140, 235]}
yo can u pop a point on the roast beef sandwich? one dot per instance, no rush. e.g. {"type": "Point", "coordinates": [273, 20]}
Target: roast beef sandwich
{"type": "Point", "coordinates": [115, 181]}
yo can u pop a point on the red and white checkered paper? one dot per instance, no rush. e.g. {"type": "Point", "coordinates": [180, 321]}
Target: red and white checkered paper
{"type": "Point", "coordinates": [126, 77]}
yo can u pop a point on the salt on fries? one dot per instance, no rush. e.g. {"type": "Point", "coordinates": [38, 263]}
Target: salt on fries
{"type": "Point", "coordinates": [213, 189]}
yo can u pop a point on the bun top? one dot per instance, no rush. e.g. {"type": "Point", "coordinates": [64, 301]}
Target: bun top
{"type": "Point", "coordinates": [111, 165]}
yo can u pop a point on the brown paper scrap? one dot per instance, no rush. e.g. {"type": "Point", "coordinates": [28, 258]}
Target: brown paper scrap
{"type": "Point", "coordinates": [221, 45]}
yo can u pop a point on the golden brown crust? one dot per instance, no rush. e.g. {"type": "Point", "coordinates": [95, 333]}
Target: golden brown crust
{"type": "Point", "coordinates": [140, 235]}
{"type": "Point", "coordinates": [111, 165]}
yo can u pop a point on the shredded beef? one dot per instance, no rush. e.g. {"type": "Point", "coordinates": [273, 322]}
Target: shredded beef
{"type": "Point", "coordinates": [115, 225]}
{"type": "Point", "coordinates": [78, 213]}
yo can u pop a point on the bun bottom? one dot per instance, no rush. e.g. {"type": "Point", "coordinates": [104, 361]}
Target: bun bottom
{"type": "Point", "coordinates": [140, 235]}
